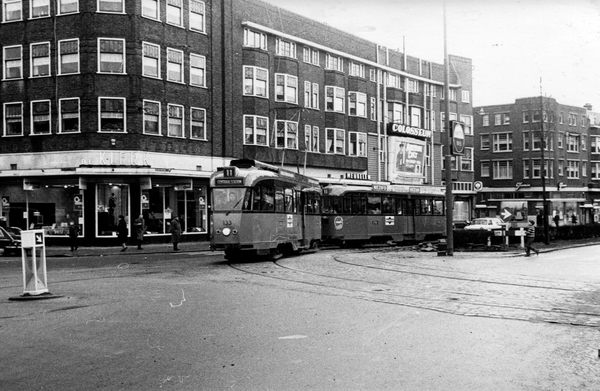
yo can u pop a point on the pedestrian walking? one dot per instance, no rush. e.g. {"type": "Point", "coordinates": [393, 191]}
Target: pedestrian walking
{"type": "Point", "coordinates": [530, 233]}
{"type": "Point", "coordinates": [140, 227]}
{"type": "Point", "coordinates": [122, 232]}
{"type": "Point", "coordinates": [175, 233]}
{"type": "Point", "coordinates": [73, 234]}
{"type": "Point", "coordinates": [556, 219]}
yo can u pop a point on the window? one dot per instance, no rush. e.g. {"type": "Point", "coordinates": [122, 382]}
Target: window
{"type": "Point", "coordinates": [357, 102]}
{"type": "Point", "coordinates": [357, 70]}
{"type": "Point", "coordinates": [197, 15]}
{"type": "Point", "coordinates": [536, 168]}
{"type": "Point", "coordinates": [453, 159]}
{"type": "Point", "coordinates": [415, 117]}
{"type": "Point", "coordinates": [13, 10]}
{"type": "Point", "coordinates": [68, 62]}
{"type": "Point", "coordinates": [573, 142]}
{"type": "Point", "coordinates": [506, 119]}
{"type": "Point", "coordinates": [285, 48]}
{"type": "Point", "coordinates": [335, 99]}
{"type": "Point", "coordinates": [311, 95]}
{"type": "Point", "coordinates": [175, 12]}
{"type": "Point", "coordinates": [39, 9]}
{"type": "Point", "coordinates": [466, 161]}
{"type": "Point", "coordinates": [453, 117]}
{"type": "Point", "coordinates": [536, 116]}
{"type": "Point", "coordinates": [526, 169]}
{"type": "Point", "coordinates": [256, 81]}
{"type": "Point", "coordinates": [152, 118]}
{"type": "Point", "coordinates": [175, 121]}
{"type": "Point", "coordinates": [40, 59]}
{"type": "Point", "coordinates": [394, 81]}
{"type": "Point", "coordinates": [584, 168]}
{"type": "Point", "coordinates": [255, 40]}
{"type": "Point", "coordinates": [111, 6]}
{"type": "Point", "coordinates": [13, 119]}
{"type": "Point", "coordinates": [466, 96]}
{"type": "Point", "coordinates": [310, 56]}
{"type": "Point", "coordinates": [315, 139]}
{"type": "Point", "coordinates": [485, 169]}
{"type": "Point", "coordinates": [287, 134]}
{"type": "Point", "coordinates": [335, 63]}
{"type": "Point", "coordinates": [286, 88]}
{"type": "Point", "coordinates": [412, 85]}
{"type": "Point", "coordinates": [595, 144]}
{"type": "Point", "coordinates": [560, 142]}
{"type": "Point", "coordinates": [357, 144]}
{"type": "Point", "coordinates": [373, 75]}
{"type": "Point", "coordinates": [561, 117]}
{"type": "Point", "coordinates": [150, 60]}
{"type": "Point", "coordinates": [68, 6]}
{"type": "Point", "coordinates": [198, 123]}
{"type": "Point", "coordinates": [336, 141]}
{"type": "Point", "coordinates": [69, 115]}
{"type": "Point", "coordinates": [395, 112]}
{"type": "Point", "coordinates": [453, 93]}
{"type": "Point", "coordinates": [561, 167]}
{"type": "Point", "coordinates": [111, 55]}
{"type": "Point", "coordinates": [112, 114]}
{"type": "Point", "coordinates": [307, 137]}
{"type": "Point", "coordinates": [526, 141]}
{"type": "Point", "coordinates": [497, 119]}
{"type": "Point", "coordinates": [256, 130]}
{"type": "Point", "coordinates": [502, 142]}
{"type": "Point", "coordinates": [467, 120]}
{"type": "Point", "coordinates": [573, 169]}
{"type": "Point", "coordinates": [373, 108]}
{"type": "Point", "coordinates": [13, 62]}
{"type": "Point", "coordinates": [503, 169]}
{"type": "Point", "coordinates": [175, 65]}
{"type": "Point", "coordinates": [197, 70]}
{"type": "Point", "coordinates": [595, 170]}
{"type": "Point", "coordinates": [40, 117]}
{"type": "Point", "coordinates": [151, 9]}
{"type": "Point", "coordinates": [583, 142]}
{"type": "Point", "coordinates": [485, 120]}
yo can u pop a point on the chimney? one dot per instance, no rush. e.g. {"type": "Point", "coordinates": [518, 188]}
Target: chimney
{"type": "Point", "coordinates": [588, 106]}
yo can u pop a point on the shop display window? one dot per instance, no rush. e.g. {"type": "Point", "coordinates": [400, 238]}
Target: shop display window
{"type": "Point", "coordinates": [160, 204]}
{"type": "Point", "coordinates": [112, 200]}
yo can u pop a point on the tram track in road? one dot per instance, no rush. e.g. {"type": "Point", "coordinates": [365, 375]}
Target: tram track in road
{"type": "Point", "coordinates": [355, 275]}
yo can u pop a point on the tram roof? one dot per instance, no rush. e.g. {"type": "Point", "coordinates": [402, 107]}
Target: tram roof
{"type": "Point", "coordinates": [248, 172]}
{"type": "Point", "coordinates": [384, 188]}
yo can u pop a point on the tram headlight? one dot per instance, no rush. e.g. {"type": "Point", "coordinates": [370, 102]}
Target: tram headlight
{"type": "Point", "coordinates": [226, 231]}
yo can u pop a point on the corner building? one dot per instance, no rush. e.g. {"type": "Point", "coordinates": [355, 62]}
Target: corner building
{"type": "Point", "coordinates": [126, 107]}
{"type": "Point", "coordinates": [517, 141]}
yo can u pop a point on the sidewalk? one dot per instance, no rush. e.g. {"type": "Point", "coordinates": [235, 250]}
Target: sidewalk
{"type": "Point", "coordinates": [59, 251]}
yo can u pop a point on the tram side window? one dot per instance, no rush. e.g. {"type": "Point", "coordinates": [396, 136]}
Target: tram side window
{"type": "Point", "coordinates": [289, 200]}
{"type": "Point", "coordinates": [411, 210]}
{"type": "Point", "coordinates": [279, 199]}
{"type": "Point", "coordinates": [332, 205]}
{"type": "Point", "coordinates": [359, 204]}
{"type": "Point", "coordinates": [267, 198]}
{"type": "Point", "coordinates": [374, 205]}
{"type": "Point", "coordinates": [387, 206]}
{"type": "Point", "coordinates": [438, 207]}
{"type": "Point", "coordinates": [400, 207]}
{"type": "Point", "coordinates": [311, 203]}
{"type": "Point", "coordinates": [425, 206]}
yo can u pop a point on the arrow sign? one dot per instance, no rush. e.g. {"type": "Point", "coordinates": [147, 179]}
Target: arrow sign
{"type": "Point", "coordinates": [505, 214]}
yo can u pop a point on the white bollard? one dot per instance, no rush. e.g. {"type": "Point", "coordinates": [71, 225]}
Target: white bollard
{"type": "Point", "coordinates": [35, 281]}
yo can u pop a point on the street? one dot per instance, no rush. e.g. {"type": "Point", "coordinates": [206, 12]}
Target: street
{"type": "Point", "coordinates": [363, 319]}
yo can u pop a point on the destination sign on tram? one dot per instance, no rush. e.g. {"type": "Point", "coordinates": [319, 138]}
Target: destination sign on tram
{"type": "Point", "coordinates": [229, 181]}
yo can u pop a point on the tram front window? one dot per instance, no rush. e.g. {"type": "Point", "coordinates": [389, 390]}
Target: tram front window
{"type": "Point", "coordinates": [228, 199]}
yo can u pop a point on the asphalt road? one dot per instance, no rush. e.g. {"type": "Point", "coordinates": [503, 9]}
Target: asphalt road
{"type": "Point", "coordinates": [376, 319]}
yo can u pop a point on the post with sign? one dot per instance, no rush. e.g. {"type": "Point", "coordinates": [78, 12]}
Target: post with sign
{"type": "Point", "coordinates": [35, 281]}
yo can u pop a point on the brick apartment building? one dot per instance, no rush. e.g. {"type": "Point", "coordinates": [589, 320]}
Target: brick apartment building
{"type": "Point", "coordinates": [509, 161]}
{"type": "Point", "coordinates": [126, 107]}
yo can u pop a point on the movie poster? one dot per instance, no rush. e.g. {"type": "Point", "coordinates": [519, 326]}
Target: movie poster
{"type": "Point", "coordinates": [407, 158]}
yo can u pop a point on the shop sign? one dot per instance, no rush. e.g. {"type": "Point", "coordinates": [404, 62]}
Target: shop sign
{"type": "Point", "coordinates": [519, 185]}
{"type": "Point", "coordinates": [6, 202]}
{"type": "Point", "coordinates": [183, 186]}
{"type": "Point", "coordinates": [405, 130]}
{"type": "Point", "coordinates": [119, 159]}
{"type": "Point", "coordinates": [146, 183]}
{"type": "Point", "coordinates": [362, 177]}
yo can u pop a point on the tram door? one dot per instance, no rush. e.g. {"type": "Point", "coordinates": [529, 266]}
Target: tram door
{"type": "Point", "coordinates": [410, 217]}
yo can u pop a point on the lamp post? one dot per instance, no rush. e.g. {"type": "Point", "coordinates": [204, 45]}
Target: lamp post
{"type": "Point", "coordinates": [448, 149]}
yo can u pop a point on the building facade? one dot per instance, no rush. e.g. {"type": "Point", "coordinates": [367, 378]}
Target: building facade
{"type": "Point", "coordinates": [533, 150]}
{"type": "Point", "coordinates": [126, 108]}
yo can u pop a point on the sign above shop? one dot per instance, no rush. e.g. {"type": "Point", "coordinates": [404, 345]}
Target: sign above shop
{"type": "Point", "coordinates": [405, 130]}
{"type": "Point", "coordinates": [363, 177]}
{"type": "Point", "coordinates": [121, 158]}
{"type": "Point", "coordinates": [519, 185]}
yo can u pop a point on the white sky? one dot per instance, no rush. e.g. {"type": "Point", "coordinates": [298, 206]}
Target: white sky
{"type": "Point", "coordinates": [513, 43]}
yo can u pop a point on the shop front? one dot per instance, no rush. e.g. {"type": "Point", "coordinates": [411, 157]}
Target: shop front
{"type": "Point", "coordinates": [93, 196]}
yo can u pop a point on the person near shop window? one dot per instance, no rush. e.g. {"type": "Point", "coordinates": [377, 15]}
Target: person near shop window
{"type": "Point", "coordinates": [112, 204]}
{"type": "Point", "coordinates": [175, 233]}
{"type": "Point", "coordinates": [73, 234]}
{"type": "Point", "coordinates": [140, 228]}
{"type": "Point", "coordinates": [122, 232]}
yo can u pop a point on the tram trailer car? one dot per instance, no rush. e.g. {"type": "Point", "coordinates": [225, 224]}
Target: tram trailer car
{"type": "Point", "coordinates": [260, 209]}
{"type": "Point", "coordinates": [357, 215]}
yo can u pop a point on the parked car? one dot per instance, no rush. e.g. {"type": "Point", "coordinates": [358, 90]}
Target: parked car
{"type": "Point", "coordinates": [10, 240]}
{"type": "Point", "coordinates": [486, 223]}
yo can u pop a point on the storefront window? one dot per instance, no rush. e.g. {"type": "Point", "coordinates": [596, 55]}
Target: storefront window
{"type": "Point", "coordinates": [112, 200]}
{"type": "Point", "coordinates": [48, 207]}
{"type": "Point", "coordinates": [161, 204]}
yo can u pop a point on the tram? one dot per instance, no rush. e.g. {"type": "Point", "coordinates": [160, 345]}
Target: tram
{"type": "Point", "coordinates": [264, 210]}
{"type": "Point", "coordinates": [381, 213]}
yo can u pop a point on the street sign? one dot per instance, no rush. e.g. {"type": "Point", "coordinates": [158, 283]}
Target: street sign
{"type": "Point", "coordinates": [506, 214]}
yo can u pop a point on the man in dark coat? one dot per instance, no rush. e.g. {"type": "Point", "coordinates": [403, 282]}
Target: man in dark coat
{"type": "Point", "coordinates": [175, 233]}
